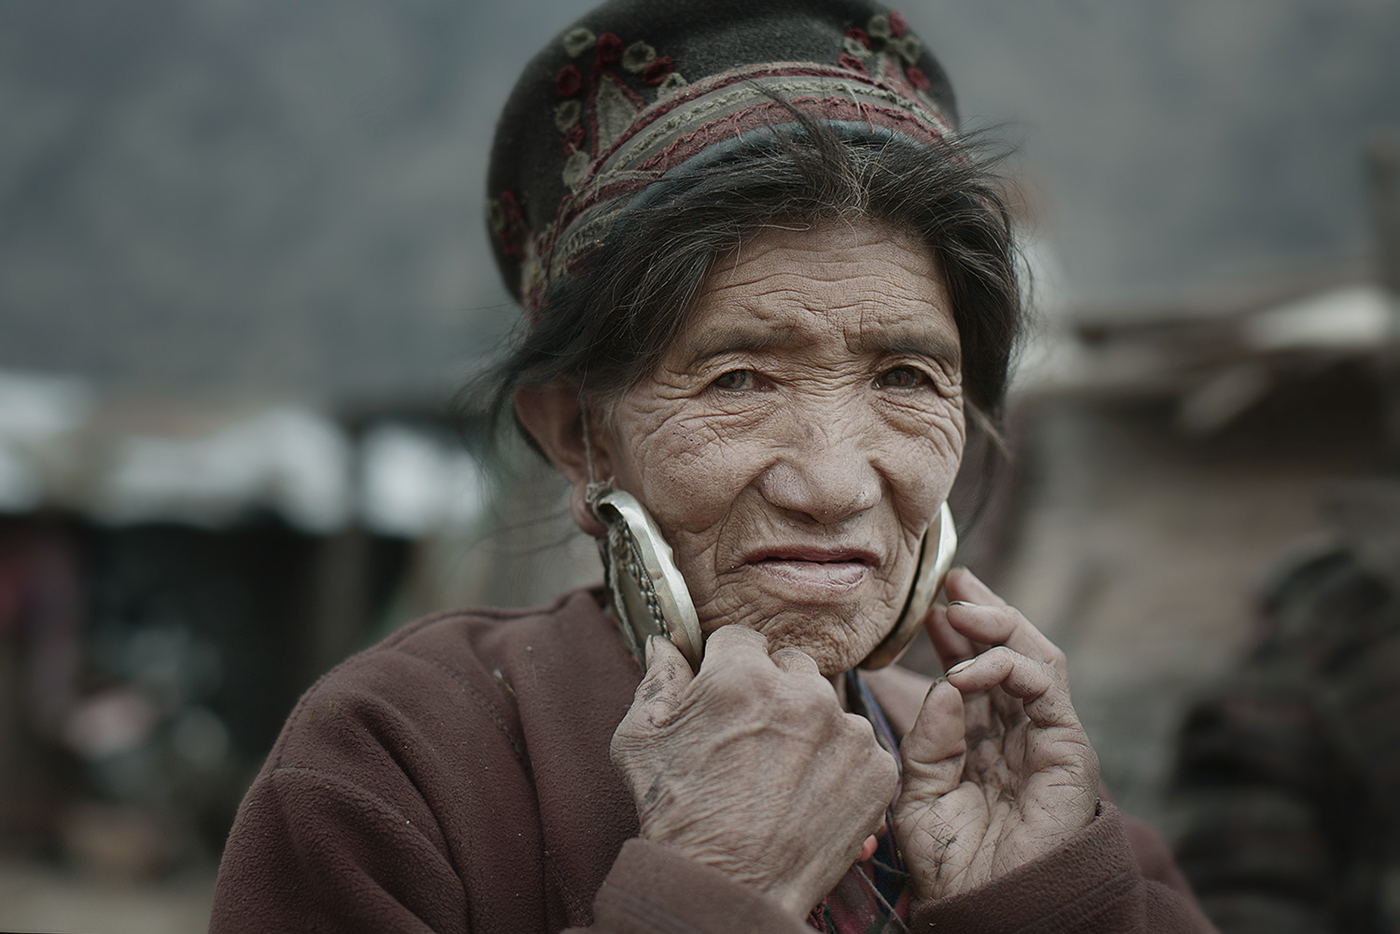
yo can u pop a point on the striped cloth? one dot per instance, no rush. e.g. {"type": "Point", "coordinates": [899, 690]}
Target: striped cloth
{"type": "Point", "coordinates": [1288, 772]}
{"type": "Point", "coordinates": [873, 896]}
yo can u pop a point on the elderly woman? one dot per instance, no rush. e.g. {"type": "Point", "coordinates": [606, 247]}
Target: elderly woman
{"type": "Point", "coordinates": [767, 292]}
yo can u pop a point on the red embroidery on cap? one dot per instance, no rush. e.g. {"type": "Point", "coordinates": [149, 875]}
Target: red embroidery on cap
{"type": "Point", "coordinates": [916, 77]}
{"type": "Point", "coordinates": [860, 35]}
{"type": "Point", "coordinates": [610, 49]}
{"type": "Point", "coordinates": [657, 71]}
{"type": "Point", "coordinates": [574, 138]}
{"type": "Point", "coordinates": [898, 24]}
{"type": "Point", "coordinates": [569, 82]}
{"type": "Point", "coordinates": [510, 205]}
{"type": "Point", "coordinates": [850, 61]}
{"type": "Point", "coordinates": [510, 245]}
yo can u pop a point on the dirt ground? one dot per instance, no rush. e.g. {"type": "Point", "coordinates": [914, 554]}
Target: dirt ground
{"type": "Point", "coordinates": [39, 899]}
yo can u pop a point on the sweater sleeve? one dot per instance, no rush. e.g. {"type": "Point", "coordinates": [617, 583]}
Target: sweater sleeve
{"type": "Point", "coordinates": [394, 803]}
{"type": "Point", "coordinates": [313, 852]}
{"type": "Point", "coordinates": [1092, 883]}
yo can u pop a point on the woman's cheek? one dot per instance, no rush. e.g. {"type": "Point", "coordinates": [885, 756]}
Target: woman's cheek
{"type": "Point", "coordinates": [696, 468]}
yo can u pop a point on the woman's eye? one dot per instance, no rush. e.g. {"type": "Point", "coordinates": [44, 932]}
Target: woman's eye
{"type": "Point", "coordinates": [901, 377]}
{"type": "Point", "coordinates": [735, 379]}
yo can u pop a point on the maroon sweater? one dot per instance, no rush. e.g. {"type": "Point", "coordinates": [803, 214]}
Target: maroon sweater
{"type": "Point", "coordinates": [455, 778]}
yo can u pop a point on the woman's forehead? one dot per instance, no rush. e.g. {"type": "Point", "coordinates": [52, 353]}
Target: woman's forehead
{"type": "Point", "coordinates": [861, 284]}
{"type": "Point", "coordinates": [926, 330]}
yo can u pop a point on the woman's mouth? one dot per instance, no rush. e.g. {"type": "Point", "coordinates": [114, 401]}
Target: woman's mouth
{"type": "Point", "coordinates": [820, 569]}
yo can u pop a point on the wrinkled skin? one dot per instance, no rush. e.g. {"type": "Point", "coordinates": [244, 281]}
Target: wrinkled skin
{"type": "Point", "coordinates": [799, 437]}
{"type": "Point", "coordinates": [752, 766]}
{"type": "Point", "coordinates": [793, 446]}
{"type": "Point", "coordinates": [997, 769]}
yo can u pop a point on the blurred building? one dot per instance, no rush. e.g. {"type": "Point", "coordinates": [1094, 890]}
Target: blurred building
{"type": "Point", "coordinates": [173, 574]}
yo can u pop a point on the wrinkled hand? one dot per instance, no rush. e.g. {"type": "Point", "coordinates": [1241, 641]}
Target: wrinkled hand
{"type": "Point", "coordinates": [997, 769]}
{"type": "Point", "coordinates": [752, 766]}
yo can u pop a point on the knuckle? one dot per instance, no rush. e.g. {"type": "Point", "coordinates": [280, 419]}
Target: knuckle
{"type": "Point", "coordinates": [740, 635]}
{"type": "Point", "coordinates": [622, 749]}
{"type": "Point", "coordinates": [889, 773]}
{"type": "Point", "coordinates": [881, 775]}
{"type": "Point", "coordinates": [1002, 656]}
{"type": "Point", "coordinates": [1019, 620]}
{"type": "Point", "coordinates": [809, 703]}
{"type": "Point", "coordinates": [792, 656]}
{"type": "Point", "coordinates": [634, 728]}
{"type": "Point", "coordinates": [856, 731]}
{"type": "Point", "coordinates": [739, 674]}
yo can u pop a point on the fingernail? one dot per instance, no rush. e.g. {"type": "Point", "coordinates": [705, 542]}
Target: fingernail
{"type": "Point", "coordinates": [960, 666]}
{"type": "Point", "coordinates": [963, 603]}
{"type": "Point", "coordinates": [647, 650]}
{"type": "Point", "coordinates": [936, 683]}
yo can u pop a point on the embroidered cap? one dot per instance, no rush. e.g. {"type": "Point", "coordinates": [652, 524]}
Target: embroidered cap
{"type": "Point", "coordinates": [637, 88]}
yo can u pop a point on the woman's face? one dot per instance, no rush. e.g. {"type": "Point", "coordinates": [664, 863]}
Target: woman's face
{"type": "Point", "coordinates": [799, 436]}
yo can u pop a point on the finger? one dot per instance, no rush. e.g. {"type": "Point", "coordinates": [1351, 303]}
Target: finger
{"type": "Point", "coordinates": [1057, 749]}
{"type": "Point", "coordinates": [868, 848]}
{"type": "Point", "coordinates": [962, 584]}
{"type": "Point", "coordinates": [730, 643]}
{"type": "Point", "coordinates": [1005, 625]}
{"type": "Point", "coordinates": [795, 661]}
{"type": "Point", "coordinates": [667, 676]}
{"type": "Point", "coordinates": [951, 645]}
{"type": "Point", "coordinates": [936, 747]}
{"type": "Point", "coordinates": [1043, 693]}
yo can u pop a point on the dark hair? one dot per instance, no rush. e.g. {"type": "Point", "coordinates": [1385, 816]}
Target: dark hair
{"type": "Point", "coordinates": [608, 325]}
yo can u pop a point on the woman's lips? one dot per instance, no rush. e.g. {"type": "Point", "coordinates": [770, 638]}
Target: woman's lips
{"type": "Point", "coordinates": [815, 568]}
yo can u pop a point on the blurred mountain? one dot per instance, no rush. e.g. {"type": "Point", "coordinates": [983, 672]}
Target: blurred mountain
{"type": "Point", "coordinates": [284, 196]}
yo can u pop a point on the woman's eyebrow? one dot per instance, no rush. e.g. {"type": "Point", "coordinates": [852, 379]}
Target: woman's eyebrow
{"type": "Point", "coordinates": [738, 340]}
{"type": "Point", "coordinates": [934, 345]}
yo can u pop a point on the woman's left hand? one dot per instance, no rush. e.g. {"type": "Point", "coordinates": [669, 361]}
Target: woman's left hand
{"type": "Point", "coordinates": [997, 769]}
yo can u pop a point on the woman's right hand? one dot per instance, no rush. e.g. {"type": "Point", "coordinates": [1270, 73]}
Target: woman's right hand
{"type": "Point", "coordinates": [751, 765]}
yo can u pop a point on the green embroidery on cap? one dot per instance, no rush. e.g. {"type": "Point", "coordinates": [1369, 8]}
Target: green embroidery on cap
{"type": "Point", "coordinates": [613, 111]}
{"type": "Point", "coordinates": [566, 115]}
{"type": "Point", "coordinates": [575, 167]}
{"type": "Point", "coordinates": [908, 48]}
{"type": "Point", "coordinates": [672, 82]}
{"type": "Point", "coordinates": [578, 41]}
{"type": "Point", "coordinates": [637, 57]}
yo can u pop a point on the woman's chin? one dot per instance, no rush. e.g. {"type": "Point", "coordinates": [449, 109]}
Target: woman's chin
{"type": "Point", "coordinates": [834, 615]}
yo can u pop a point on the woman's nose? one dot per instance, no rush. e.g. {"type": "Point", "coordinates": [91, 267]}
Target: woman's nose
{"type": "Point", "coordinates": [824, 475]}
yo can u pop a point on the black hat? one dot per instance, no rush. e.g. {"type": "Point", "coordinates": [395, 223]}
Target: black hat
{"type": "Point", "coordinates": [639, 87]}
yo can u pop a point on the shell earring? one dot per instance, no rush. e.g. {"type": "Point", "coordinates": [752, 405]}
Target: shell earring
{"type": "Point", "coordinates": [649, 597]}
{"type": "Point", "coordinates": [935, 559]}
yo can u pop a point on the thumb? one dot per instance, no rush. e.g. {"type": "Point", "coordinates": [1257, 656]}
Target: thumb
{"type": "Point", "coordinates": [667, 676]}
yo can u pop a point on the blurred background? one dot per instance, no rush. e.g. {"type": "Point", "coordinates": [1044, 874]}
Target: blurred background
{"type": "Point", "coordinates": [244, 274]}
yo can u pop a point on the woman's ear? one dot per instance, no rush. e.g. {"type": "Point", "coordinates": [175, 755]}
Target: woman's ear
{"type": "Point", "coordinates": [553, 414]}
